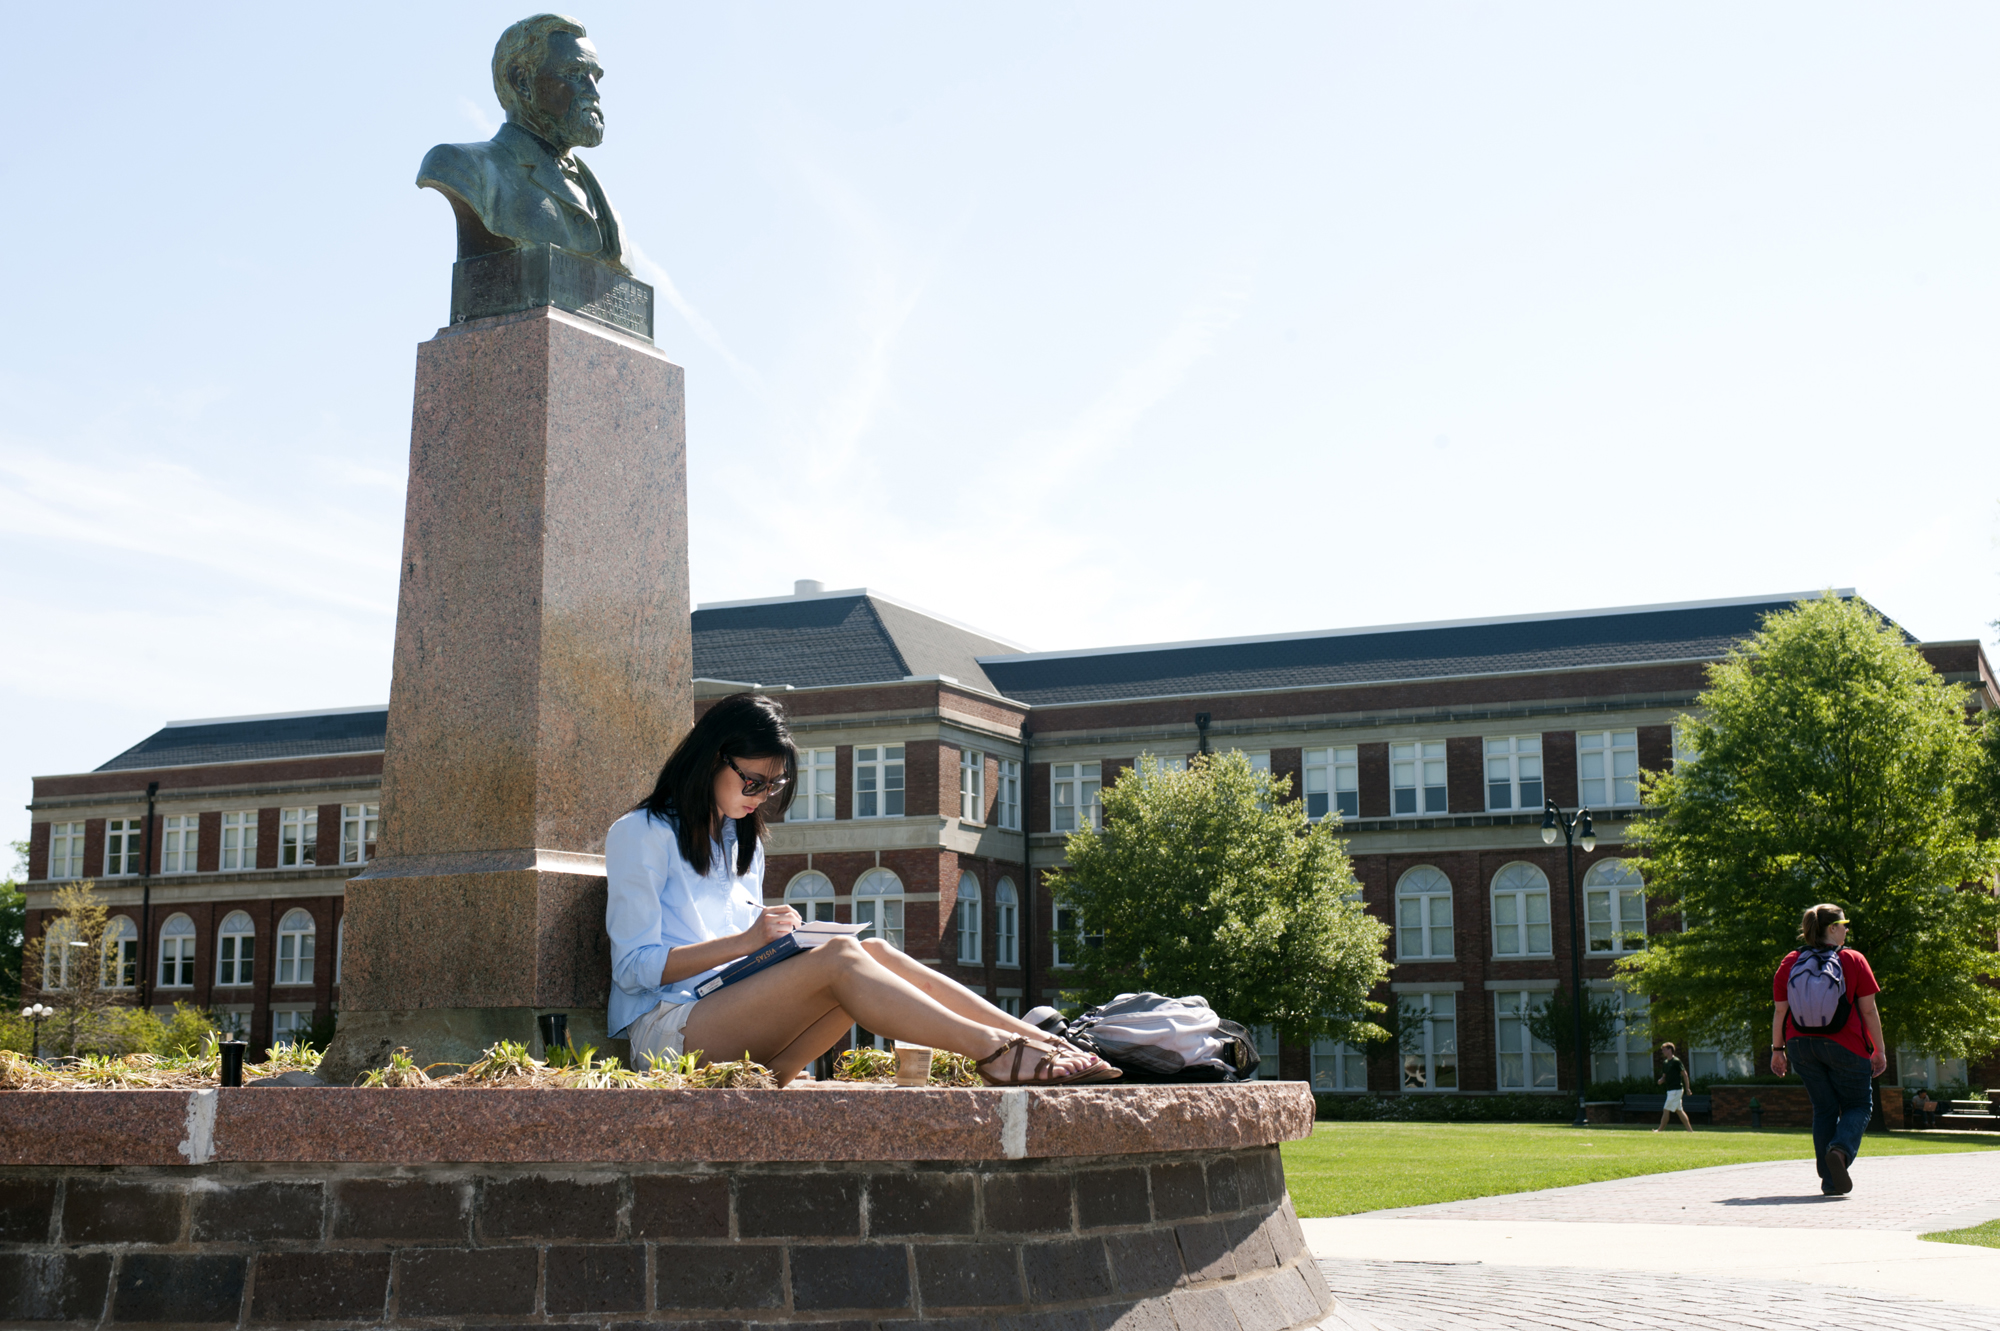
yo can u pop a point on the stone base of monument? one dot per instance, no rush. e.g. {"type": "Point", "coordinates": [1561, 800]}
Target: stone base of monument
{"type": "Point", "coordinates": [1070, 1209]}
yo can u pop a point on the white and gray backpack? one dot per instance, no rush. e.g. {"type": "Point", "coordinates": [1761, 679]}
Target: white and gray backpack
{"type": "Point", "coordinates": [1816, 992]}
{"type": "Point", "coordinates": [1156, 1038]}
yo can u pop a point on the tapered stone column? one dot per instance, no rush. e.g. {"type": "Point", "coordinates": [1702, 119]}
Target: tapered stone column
{"type": "Point", "coordinates": [542, 673]}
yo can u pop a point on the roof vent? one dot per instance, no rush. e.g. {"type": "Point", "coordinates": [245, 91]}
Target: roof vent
{"type": "Point", "coordinates": [808, 587]}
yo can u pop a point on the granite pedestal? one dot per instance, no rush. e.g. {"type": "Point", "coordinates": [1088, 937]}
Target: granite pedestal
{"type": "Point", "coordinates": [542, 673]}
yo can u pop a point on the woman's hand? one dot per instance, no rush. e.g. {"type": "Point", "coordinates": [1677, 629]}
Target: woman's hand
{"type": "Point", "coordinates": [774, 923]}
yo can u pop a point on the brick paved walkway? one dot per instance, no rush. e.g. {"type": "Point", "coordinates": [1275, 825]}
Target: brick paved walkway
{"type": "Point", "coordinates": [1472, 1296]}
{"type": "Point", "coordinates": [1672, 1250]}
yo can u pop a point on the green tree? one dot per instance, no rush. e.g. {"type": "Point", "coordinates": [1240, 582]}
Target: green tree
{"type": "Point", "coordinates": [13, 926]}
{"type": "Point", "coordinates": [1554, 1023]}
{"type": "Point", "coordinates": [1833, 764]}
{"type": "Point", "coordinates": [1212, 882]}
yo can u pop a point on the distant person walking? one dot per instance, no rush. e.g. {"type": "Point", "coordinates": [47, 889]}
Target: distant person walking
{"type": "Point", "coordinates": [1673, 1076]}
{"type": "Point", "coordinates": [1826, 1029]}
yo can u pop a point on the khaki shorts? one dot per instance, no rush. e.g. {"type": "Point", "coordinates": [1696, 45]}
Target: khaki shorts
{"type": "Point", "coordinates": [659, 1034]}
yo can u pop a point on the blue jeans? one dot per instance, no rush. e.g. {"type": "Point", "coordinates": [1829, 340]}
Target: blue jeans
{"type": "Point", "coordinates": [1841, 1086]}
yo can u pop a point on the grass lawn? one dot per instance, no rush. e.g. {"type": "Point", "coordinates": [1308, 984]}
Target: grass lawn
{"type": "Point", "coordinates": [1979, 1236]}
{"type": "Point", "coordinates": [1347, 1167]}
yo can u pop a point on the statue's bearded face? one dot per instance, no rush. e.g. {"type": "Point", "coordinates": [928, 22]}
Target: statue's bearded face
{"type": "Point", "coordinates": [564, 93]}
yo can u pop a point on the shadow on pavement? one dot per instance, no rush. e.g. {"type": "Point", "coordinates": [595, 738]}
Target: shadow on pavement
{"type": "Point", "coordinates": [1803, 1199]}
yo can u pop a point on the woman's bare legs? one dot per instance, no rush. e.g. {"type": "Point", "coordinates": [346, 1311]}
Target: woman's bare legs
{"type": "Point", "coordinates": [950, 992]}
{"type": "Point", "coordinates": [819, 1037]}
{"type": "Point", "coordinates": [772, 1011]}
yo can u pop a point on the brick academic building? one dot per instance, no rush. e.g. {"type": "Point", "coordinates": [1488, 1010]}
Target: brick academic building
{"type": "Point", "coordinates": [941, 769]}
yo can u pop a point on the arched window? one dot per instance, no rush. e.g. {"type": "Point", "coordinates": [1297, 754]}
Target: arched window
{"type": "Point", "coordinates": [1521, 912]}
{"type": "Point", "coordinates": [878, 900]}
{"type": "Point", "coordinates": [811, 895]}
{"type": "Point", "coordinates": [59, 959]}
{"type": "Point", "coordinates": [235, 949]}
{"type": "Point", "coordinates": [121, 953]}
{"type": "Point", "coordinates": [295, 948]}
{"type": "Point", "coordinates": [1614, 907]}
{"type": "Point", "coordinates": [177, 953]}
{"type": "Point", "coordinates": [969, 920]}
{"type": "Point", "coordinates": [1006, 924]}
{"type": "Point", "coordinates": [1423, 914]}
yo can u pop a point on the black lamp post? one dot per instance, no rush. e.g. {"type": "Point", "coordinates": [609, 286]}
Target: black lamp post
{"type": "Point", "coordinates": [1574, 828]}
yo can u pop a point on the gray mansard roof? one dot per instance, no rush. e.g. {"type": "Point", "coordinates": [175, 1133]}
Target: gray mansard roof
{"type": "Point", "coordinates": [1577, 640]}
{"type": "Point", "coordinates": [852, 637]}
{"type": "Point", "coordinates": [236, 739]}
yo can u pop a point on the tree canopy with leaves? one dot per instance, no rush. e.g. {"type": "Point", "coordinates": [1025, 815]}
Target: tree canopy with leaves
{"type": "Point", "coordinates": [1210, 881]}
{"type": "Point", "coordinates": [1831, 763]}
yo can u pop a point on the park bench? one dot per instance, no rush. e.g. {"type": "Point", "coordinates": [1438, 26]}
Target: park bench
{"type": "Point", "coordinates": [1653, 1104]}
{"type": "Point", "coordinates": [1976, 1115]}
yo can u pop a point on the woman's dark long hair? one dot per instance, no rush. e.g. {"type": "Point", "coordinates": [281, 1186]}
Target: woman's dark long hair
{"type": "Point", "coordinates": [743, 725]}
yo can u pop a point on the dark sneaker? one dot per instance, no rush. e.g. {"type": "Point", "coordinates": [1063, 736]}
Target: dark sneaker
{"type": "Point", "coordinates": [1837, 1182]}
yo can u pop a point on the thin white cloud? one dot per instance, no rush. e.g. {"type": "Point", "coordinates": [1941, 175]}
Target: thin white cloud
{"type": "Point", "coordinates": [703, 329]}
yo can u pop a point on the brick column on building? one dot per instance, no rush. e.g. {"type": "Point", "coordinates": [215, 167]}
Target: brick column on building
{"type": "Point", "coordinates": [1465, 773]}
{"type": "Point", "coordinates": [1371, 777]}
{"type": "Point", "coordinates": [329, 834]}
{"type": "Point", "coordinates": [39, 835]}
{"type": "Point", "coordinates": [1036, 798]}
{"type": "Point", "coordinates": [93, 847]}
{"type": "Point", "coordinates": [843, 782]}
{"type": "Point", "coordinates": [1559, 766]}
{"type": "Point", "coordinates": [208, 843]}
{"type": "Point", "coordinates": [268, 821]}
{"type": "Point", "coordinates": [1289, 764]}
{"type": "Point", "coordinates": [1656, 748]}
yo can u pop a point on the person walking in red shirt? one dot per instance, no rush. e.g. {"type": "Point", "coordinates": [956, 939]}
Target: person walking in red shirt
{"type": "Point", "coordinates": [1826, 1028]}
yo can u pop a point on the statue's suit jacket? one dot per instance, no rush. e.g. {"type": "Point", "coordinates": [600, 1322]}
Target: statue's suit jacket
{"type": "Point", "coordinates": [512, 184]}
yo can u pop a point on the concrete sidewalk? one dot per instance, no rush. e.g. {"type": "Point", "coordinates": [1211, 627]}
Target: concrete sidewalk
{"type": "Point", "coordinates": [1738, 1245]}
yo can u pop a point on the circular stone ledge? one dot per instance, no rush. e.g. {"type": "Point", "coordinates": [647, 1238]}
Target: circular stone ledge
{"type": "Point", "coordinates": [820, 1123]}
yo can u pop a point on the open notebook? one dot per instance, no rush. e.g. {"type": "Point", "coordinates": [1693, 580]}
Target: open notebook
{"type": "Point", "coordinates": [808, 935]}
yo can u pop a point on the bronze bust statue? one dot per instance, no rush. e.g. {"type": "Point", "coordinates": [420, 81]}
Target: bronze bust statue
{"type": "Point", "coordinates": [524, 186]}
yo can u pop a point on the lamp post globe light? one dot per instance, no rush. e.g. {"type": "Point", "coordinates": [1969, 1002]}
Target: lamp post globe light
{"type": "Point", "coordinates": [1574, 828]}
{"type": "Point", "coordinates": [35, 1012]}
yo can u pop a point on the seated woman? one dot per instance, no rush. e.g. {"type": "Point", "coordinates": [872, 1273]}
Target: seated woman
{"type": "Point", "coordinates": [686, 874]}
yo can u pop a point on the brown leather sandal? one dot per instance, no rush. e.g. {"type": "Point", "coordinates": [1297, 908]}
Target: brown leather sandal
{"type": "Point", "coordinates": [1044, 1073]}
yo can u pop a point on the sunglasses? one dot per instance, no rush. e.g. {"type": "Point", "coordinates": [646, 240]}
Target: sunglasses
{"type": "Point", "coordinates": [754, 784]}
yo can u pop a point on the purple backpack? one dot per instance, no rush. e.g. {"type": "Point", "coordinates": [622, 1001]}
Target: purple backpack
{"type": "Point", "coordinates": [1816, 992]}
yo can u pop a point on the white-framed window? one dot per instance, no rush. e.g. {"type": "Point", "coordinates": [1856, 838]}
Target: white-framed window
{"type": "Point", "coordinates": [813, 800]}
{"type": "Point", "coordinates": [1337, 1066]}
{"type": "Point", "coordinates": [970, 921]}
{"type": "Point", "coordinates": [339, 946]}
{"type": "Point", "coordinates": [1332, 783]}
{"type": "Point", "coordinates": [1006, 924]}
{"type": "Point", "coordinates": [234, 1021]}
{"type": "Point", "coordinates": [235, 949]}
{"type": "Point", "coordinates": [239, 840]}
{"type": "Point", "coordinates": [1428, 1029]}
{"type": "Point", "coordinates": [1514, 773]}
{"type": "Point", "coordinates": [358, 825]}
{"type": "Point", "coordinates": [1068, 918]}
{"type": "Point", "coordinates": [1526, 1064]}
{"type": "Point", "coordinates": [811, 895]}
{"type": "Point", "coordinates": [180, 840]}
{"type": "Point", "coordinates": [1073, 796]}
{"type": "Point", "coordinates": [1521, 912]}
{"type": "Point", "coordinates": [1416, 777]}
{"type": "Point", "coordinates": [971, 786]}
{"type": "Point", "coordinates": [121, 954]}
{"type": "Point", "coordinates": [60, 961]}
{"type": "Point", "coordinates": [1607, 768]}
{"type": "Point", "coordinates": [1009, 1004]}
{"type": "Point", "coordinates": [1009, 801]}
{"type": "Point", "coordinates": [1684, 750]}
{"type": "Point", "coordinates": [65, 850]}
{"type": "Point", "coordinates": [177, 953]}
{"type": "Point", "coordinates": [295, 948]}
{"type": "Point", "coordinates": [1915, 1069]}
{"type": "Point", "coordinates": [878, 781]}
{"type": "Point", "coordinates": [1423, 915]}
{"type": "Point", "coordinates": [1711, 1064]}
{"type": "Point", "coordinates": [1265, 1038]}
{"type": "Point", "coordinates": [290, 1025]}
{"type": "Point", "coordinates": [123, 845]}
{"type": "Point", "coordinates": [1631, 1051]}
{"type": "Point", "coordinates": [298, 837]}
{"type": "Point", "coordinates": [1614, 907]}
{"type": "Point", "coordinates": [878, 900]}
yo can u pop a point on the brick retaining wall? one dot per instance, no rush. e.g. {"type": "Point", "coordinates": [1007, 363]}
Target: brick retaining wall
{"type": "Point", "coordinates": [1787, 1106]}
{"type": "Point", "coordinates": [1187, 1240]}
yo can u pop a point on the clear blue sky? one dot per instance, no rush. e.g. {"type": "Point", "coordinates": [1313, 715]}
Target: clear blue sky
{"type": "Point", "coordinates": [1087, 324]}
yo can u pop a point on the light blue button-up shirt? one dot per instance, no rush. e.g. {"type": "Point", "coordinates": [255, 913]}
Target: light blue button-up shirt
{"type": "Point", "coordinates": [658, 903]}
